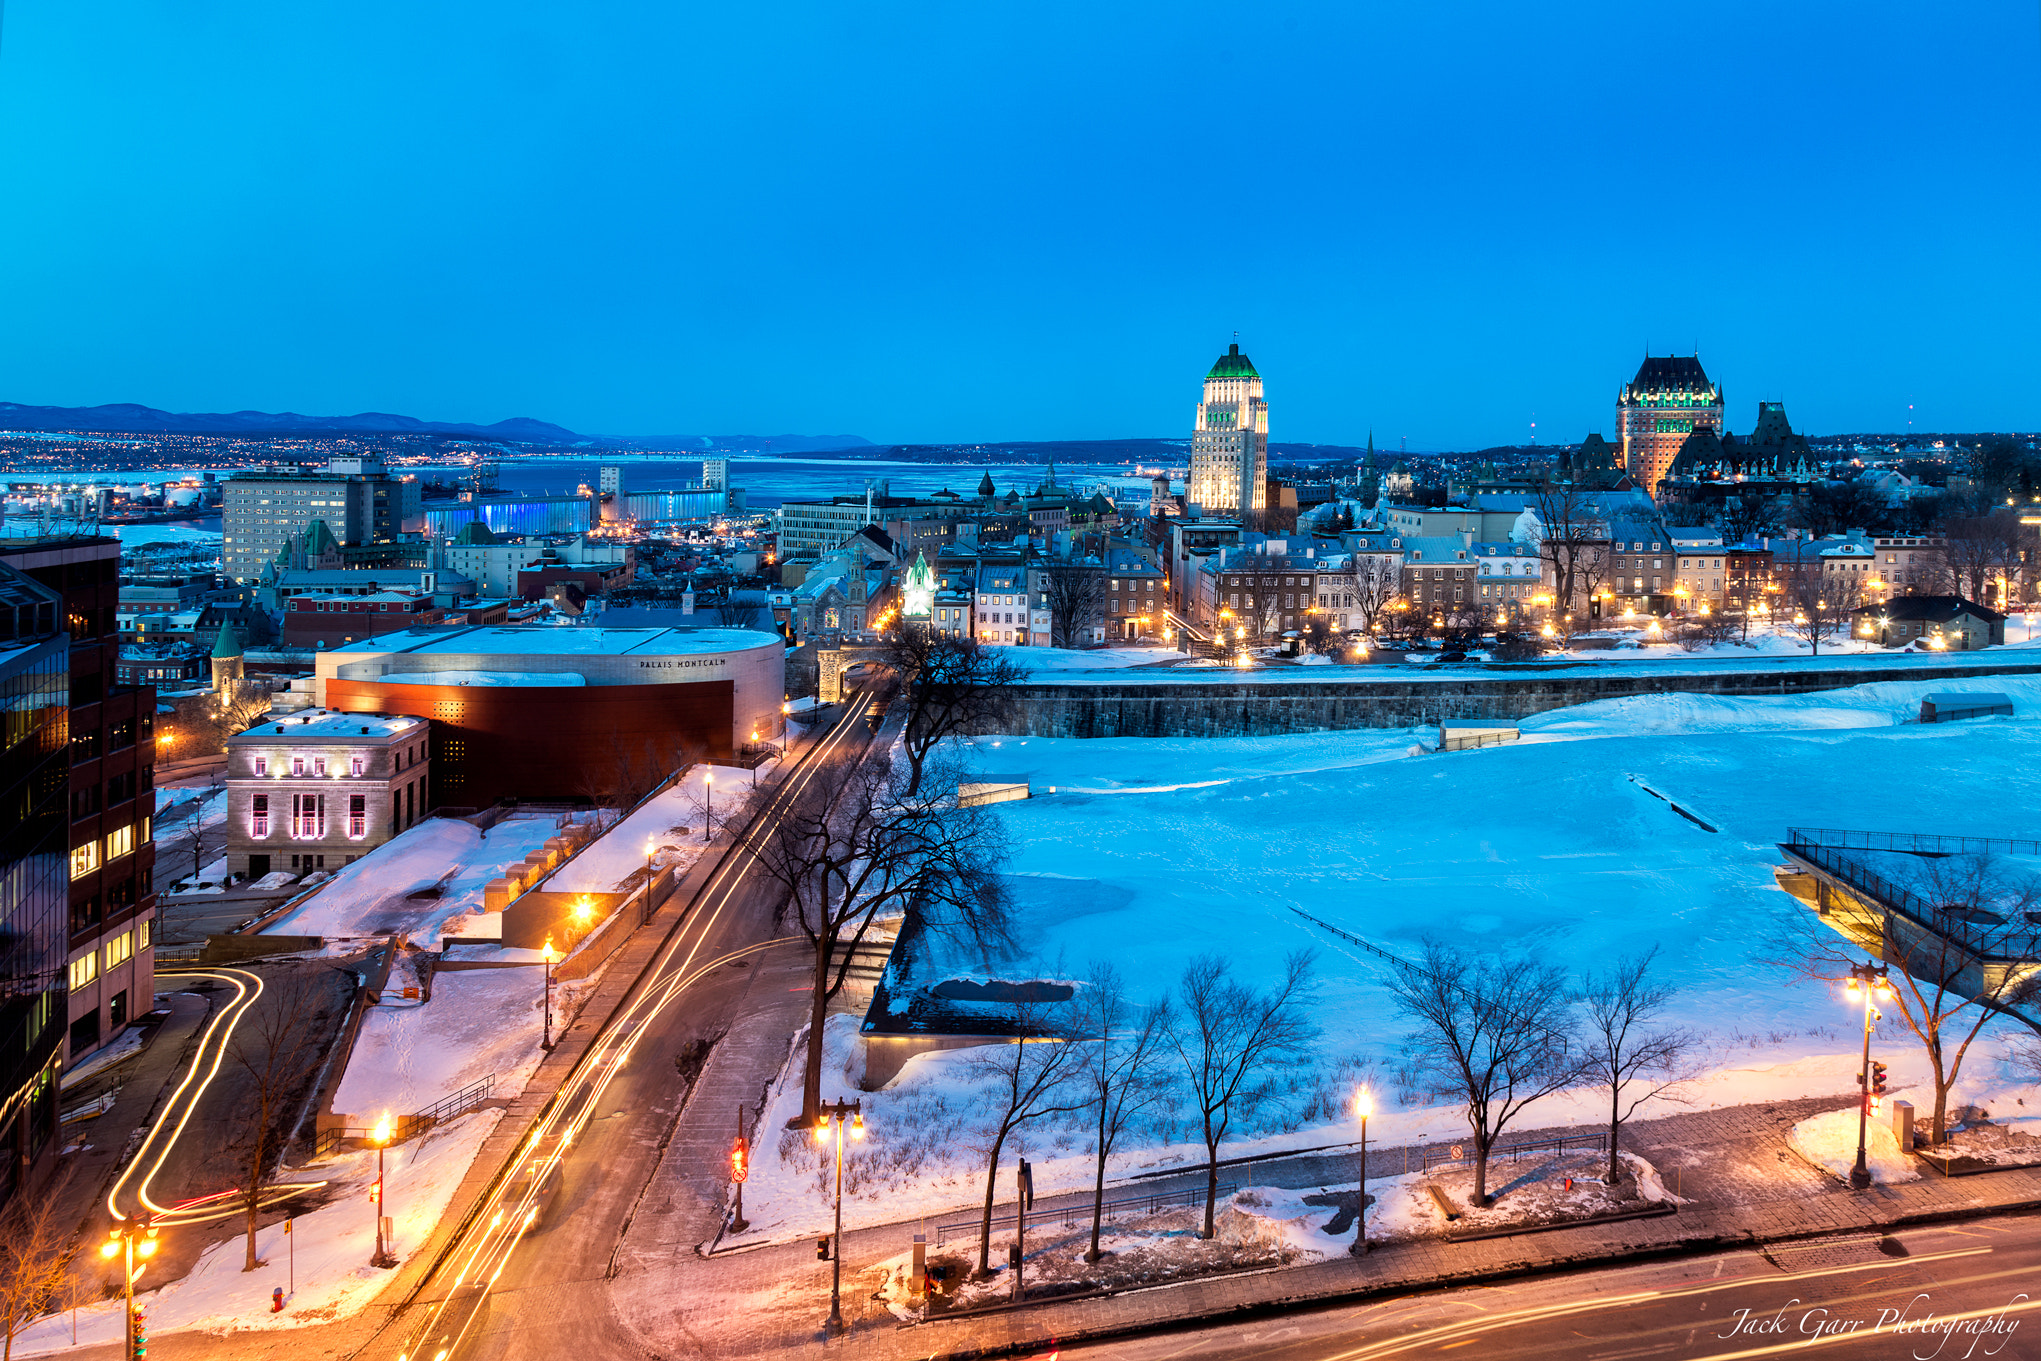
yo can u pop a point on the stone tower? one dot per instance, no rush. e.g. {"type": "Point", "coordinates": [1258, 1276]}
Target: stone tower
{"type": "Point", "coordinates": [1230, 446]}
{"type": "Point", "coordinates": [227, 663]}
{"type": "Point", "coordinates": [1663, 404]}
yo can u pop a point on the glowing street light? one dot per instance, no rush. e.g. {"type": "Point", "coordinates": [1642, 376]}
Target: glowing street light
{"type": "Point", "coordinates": [837, 1118]}
{"type": "Point", "coordinates": [380, 1137]}
{"type": "Point", "coordinates": [1868, 983]}
{"type": "Point", "coordinates": [1364, 1106]}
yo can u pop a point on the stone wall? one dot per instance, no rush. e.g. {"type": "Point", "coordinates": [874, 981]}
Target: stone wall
{"type": "Point", "coordinates": [1252, 708]}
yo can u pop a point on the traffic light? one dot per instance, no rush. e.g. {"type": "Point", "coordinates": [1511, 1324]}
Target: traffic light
{"type": "Point", "coordinates": [740, 1158]}
{"type": "Point", "coordinates": [1877, 1078]}
{"type": "Point", "coordinates": [822, 1249]}
{"type": "Point", "coordinates": [376, 1191]}
{"type": "Point", "coordinates": [140, 1345]}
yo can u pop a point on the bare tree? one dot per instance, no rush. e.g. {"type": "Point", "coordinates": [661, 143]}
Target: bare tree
{"type": "Point", "coordinates": [189, 830]}
{"type": "Point", "coordinates": [1491, 1031]}
{"type": "Point", "coordinates": [1945, 946]}
{"type": "Point", "coordinates": [1228, 1037]}
{"type": "Point", "coordinates": [621, 772]}
{"type": "Point", "coordinates": [35, 1256]}
{"type": "Point", "coordinates": [1626, 1050]}
{"type": "Point", "coordinates": [1030, 1078]}
{"type": "Point", "coordinates": [1366, 585]}
{"type": "Point", "coordinates": [276, 1047]}
{"type": "Point", "coordinates": [1573, 541]}
{"type": "Point", "coordinates": [1987, 554]}
{"type": "Point", "coordinates": [1075, 592]}
{"type": "Point", "coordinates": [1121, 1072]}
{"type": "Point", "coordinates": [853, 852]}
{"type": "Point", "coordinates": [951, 687]}
{"type": "Point", "coordinates": [1821, 605]}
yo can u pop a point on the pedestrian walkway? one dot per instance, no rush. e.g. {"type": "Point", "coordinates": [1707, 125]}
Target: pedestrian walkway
{"type": "Point", "coordinates": [1745, 1189]}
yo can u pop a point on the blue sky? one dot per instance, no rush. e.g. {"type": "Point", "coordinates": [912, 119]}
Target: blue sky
{"type": "Point", "coordinates": [949, 221]}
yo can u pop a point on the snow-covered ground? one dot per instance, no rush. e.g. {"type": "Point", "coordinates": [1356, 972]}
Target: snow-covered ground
{"type": "Point", "coordinates": [1038, 659]}
{"type": "Point", "coordinates": [480, 1022]}
{"type": "Point", "coordinates": [1151, 851]}
{"type": "Point", "coordinates": [669, 824]}
{"type": "Point", "coordinates": [332, 1246]}
{"type": "Point", "coordinates": [372, 896]}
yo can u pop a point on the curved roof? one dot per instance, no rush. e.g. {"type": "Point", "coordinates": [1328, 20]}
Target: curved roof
{"type": "Point", "coordinates": [229, 644]}
{"type": "Point", "coordinates": [1233, 364]}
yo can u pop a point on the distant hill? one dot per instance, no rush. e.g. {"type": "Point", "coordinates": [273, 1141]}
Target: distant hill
{"type": "Point", "coordinates": [130, 418]}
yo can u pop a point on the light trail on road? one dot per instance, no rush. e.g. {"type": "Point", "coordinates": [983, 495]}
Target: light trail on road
{"type": "Point", "coordinates": [494, 1231]}
{"type": "Point", "coordinates": [177, 1112]}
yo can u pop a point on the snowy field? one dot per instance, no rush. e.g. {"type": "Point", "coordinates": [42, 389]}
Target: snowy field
{"type": "Point", "coordinates": [373, 895]}
{"type": "Point", "coordinates": [1151, 851]}
{"type": "Point", "coordinates": [479, 1023]}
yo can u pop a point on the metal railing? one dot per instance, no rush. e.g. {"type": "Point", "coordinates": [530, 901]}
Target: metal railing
{"type": "Point", "coordinates": [1478, 740]}
{"type": "Point", "coordinates": [1918, 843]}
{"type": "Point", "coordinates": [411, 1126]}
{"type": "Point", "coordinates": [1070, 1216]}
{"type": "Point", "coordinates": [1943, 921]}
{"type": "Point", "coordinates": [1464, 1153]}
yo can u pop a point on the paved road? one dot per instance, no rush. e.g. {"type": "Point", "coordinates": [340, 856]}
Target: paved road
{"type": "Point", "coordinates": [1843, 1297]}
{"type": "Point", "coordinates": [532, 1278]}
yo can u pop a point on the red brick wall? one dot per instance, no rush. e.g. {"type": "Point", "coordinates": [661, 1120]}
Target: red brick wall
{"type": "Point", "coordinates": [544, 742]}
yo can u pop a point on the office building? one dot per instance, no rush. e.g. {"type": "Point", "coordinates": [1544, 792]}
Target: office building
{"type": "Point", "coordinates": [361, 502]}
{"type": "Point", "coordinates": [1230, 445]}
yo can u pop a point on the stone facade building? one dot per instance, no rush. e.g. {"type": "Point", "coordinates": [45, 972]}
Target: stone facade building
{"type": "Point", "coordinates": [319, 790]}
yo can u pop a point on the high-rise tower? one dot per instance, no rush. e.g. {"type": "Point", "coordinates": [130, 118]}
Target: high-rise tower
{"type": "Point", "coordinates": [1663, 404]}
{"type": "Point", "coordinates": [1230, 447]}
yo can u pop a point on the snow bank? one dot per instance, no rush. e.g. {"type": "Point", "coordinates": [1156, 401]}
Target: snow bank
{"type": "Point", "coordinates": [1040, 659]}
{"type": "Point", "coordinates": [479, 1022]}
{"type": "Point", "coordinates": [373, 895]}
{"type": "Point", "coordinates": [1829, 1141]}
{"type": "Point", "coordinates": [332, 1246]}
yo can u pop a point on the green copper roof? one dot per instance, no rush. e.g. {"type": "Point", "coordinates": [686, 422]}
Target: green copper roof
{"type": "Point", "coordinates": [1233, 364]}
{"type": "Point", "coordinates": [229, 644]}
{"type": "Point", "coordinates": [474, 532]}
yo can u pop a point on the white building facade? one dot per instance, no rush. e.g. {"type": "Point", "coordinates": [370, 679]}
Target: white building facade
{"type": "Point", "coordinates": [1230, 445]}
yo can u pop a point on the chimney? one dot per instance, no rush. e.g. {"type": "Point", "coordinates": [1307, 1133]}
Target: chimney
{"type": "Point", "coordinates": [1467, 539]}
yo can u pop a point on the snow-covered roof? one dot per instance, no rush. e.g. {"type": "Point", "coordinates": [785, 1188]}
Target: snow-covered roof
{"type": "Point", "coordinates": [510, 640]}
{"type": "Point", "coordinates": [330, 723]}
{"type": "Point", "coordinates": [485, 678]}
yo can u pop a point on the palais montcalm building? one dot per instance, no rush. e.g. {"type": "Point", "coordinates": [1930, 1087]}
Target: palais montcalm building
{"type": "Point", "coordinates": [1230, 447]}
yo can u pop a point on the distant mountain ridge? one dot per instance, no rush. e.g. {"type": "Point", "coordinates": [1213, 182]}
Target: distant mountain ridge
{"type": "Point", "coordinates": [133, 418]}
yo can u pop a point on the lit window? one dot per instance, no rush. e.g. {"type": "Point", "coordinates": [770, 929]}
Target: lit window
{"type": "Point", "coordinates": [142, 934]}
{"type": "Point", "coordinates": [258, 821]}
{"type": "Point", "coordinates": [84, 969]}
{"type": "Point", "coordinates": [120, 949]}
{"type": "Point", "coordinates": [120, 842]}
{"type": "Point", "coordinates": [297, 765]}
{"type": "Point", "coordinates": [355, 766]}
{"type": "Point", "coordinates": [85, 859]}
{"type": "Point", "coordinates": [319, 765]}
{"type": "Point", "coordinates": [262, 765]}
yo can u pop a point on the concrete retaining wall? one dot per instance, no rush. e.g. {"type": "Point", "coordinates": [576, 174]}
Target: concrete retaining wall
{"type": "Point", "coordinates": [1251, 708]}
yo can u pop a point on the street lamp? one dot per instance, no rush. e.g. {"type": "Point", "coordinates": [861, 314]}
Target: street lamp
{"type": "Point", "coordinates": [708, 804]}
{"type": "Point", "coordinates": [380, 1137]}
{"type": "Point", "coordinates": [548, 956]}
{"type": "Point", "coordinates": [834, 1117]}
{"type": "Point", "coordinates": [1364, 1105]}
{"type": "Point", "coordinates": [1867, 980]}
{"type": "Point", "coordinates": [129, 1240]}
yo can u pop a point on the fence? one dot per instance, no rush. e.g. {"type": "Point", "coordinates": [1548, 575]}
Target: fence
{"type": "Point", "coordinates": [1080, 1213]}
{"type": "Point", "coordinates": [1919, 843]}
{"type": "Point", "coordinates": [411, 1126]}
{"type": "Point", "coordinates": [1475, 741]}
{"type": "Point", "coordinates": [1456, 1153]}
{"type": "Point", "coordinates": [1945, 921]}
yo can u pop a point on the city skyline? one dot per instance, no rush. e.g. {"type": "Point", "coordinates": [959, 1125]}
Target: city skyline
{"type": "Point", "coordinates": [473, 215]}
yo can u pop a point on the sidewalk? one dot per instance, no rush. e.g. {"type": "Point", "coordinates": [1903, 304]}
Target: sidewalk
{"type": "Point", "coordinates": [1743, 1192]}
